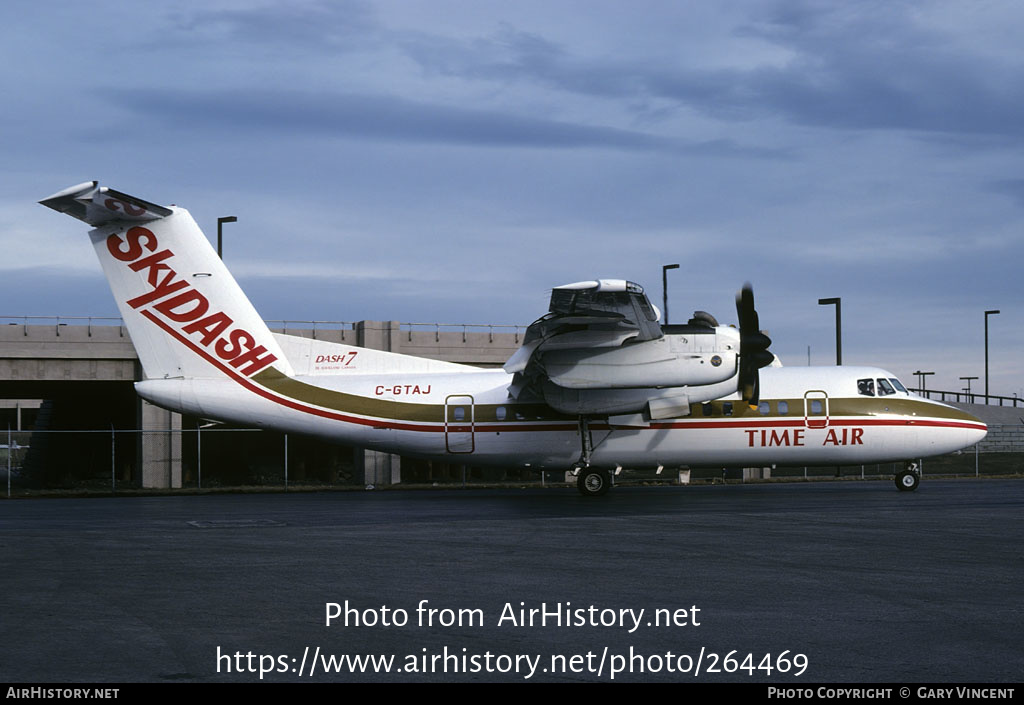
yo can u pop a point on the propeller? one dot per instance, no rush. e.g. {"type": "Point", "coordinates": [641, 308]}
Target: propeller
{"type": "Point", "coordinates": [753, 346]}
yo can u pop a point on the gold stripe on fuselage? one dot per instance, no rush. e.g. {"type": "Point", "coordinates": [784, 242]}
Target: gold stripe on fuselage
{"type": "Point", "coordinates": [516, 412]}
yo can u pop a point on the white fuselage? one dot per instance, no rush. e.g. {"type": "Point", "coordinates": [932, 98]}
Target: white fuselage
{"type": "Point", "coordinates": [807, 416]}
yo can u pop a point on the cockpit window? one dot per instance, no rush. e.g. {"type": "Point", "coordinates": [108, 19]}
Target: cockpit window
{"type": "Point", "coordinates": [866, 387]}
{"type": "Point", "coordinates": [884, 388]}
{"type": "Point", "coordinates": [896, 383]}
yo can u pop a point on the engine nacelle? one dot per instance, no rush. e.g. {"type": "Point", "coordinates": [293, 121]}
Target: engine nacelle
{"type": "Point", "coordinates": [668, 403]}
{"type": "Point", "coordinates": [687, 360]}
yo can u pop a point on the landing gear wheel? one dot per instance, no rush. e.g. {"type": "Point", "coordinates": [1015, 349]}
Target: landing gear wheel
{"type": "Point", "coordinates": [593, 483]}
{"type": "Point", "coordinates": [907, 480]}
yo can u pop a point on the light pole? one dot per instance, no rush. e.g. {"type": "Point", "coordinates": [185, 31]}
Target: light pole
{"type": "Point", "coordinates": [220, 232]}
{"type": "Point", "coordinates": [920, 380]}
{"type": "Point", "coordinates": [839, 325]}
{"type": "Point", "coordinates": [664, 287]}
{"type": "Point", "coordinates": [987, 314]}
{"type": "Point", "coordinates": [968, 387]}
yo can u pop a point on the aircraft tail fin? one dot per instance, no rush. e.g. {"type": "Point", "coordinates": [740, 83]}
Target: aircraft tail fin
{"type": "Point", "coordinates": [185, 313]}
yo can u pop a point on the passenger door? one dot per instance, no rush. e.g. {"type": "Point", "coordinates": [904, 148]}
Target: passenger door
{"type": "Point", "coordinates": [458, 423]}
{"type": "Point", "coordinates": [816, 409]}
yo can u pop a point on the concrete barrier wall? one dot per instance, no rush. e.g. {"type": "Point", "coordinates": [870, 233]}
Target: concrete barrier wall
{"type": "Point", "coordinates": [103, 352]}
{"type": "Point", "coordinates": [1003, 438]}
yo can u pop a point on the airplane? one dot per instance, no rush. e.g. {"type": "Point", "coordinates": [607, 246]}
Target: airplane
{"type": "Point", "coordinates": [598, 385]}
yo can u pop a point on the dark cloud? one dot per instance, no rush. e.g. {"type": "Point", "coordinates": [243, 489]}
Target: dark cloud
{"type": "Point", "coordinates": [307, 26]}
{"type": "Point", "coordinates": [363, 116]}
{"type": "Point", "coordinates": [1014, 188]}
{"type": "Point", "coordinates": [868, 69]}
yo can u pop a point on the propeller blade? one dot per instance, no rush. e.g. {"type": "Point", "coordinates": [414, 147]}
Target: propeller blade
{"type": "Point", "coordinates": [753, 347]}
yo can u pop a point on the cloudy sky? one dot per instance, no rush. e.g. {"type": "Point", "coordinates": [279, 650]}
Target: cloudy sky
{"type": "Point", "coordinates": [451, 161]}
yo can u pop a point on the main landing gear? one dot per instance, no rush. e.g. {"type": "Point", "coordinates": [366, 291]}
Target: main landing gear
{"type": "Point", "coordinates": [909, 477]}
{"type": "Point", "coordinates": [591, 482]}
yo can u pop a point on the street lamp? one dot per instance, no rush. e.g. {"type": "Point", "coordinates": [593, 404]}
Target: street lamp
{"type": "Point", "coordinates": [987, 314]}
{"type": "Point", "coordinates": [839, 325]}
{"type": "Point", "coordinates": [968, 387]}
{"type": "Point", "coordinates": [920, 380]}
{"type": "Point", "coordinates": [220, 232]}
{"type": "Point", "coordinates": [664, 287]}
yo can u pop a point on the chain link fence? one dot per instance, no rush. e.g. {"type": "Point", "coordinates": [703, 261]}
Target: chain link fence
{"type": "Point", "coordinates": [115, 460]}
{"type": "Point", "coordinates": [120, 460]}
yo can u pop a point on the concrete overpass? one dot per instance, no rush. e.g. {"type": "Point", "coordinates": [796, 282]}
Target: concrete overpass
{"type": "Point", "coordinates": [88, 366]}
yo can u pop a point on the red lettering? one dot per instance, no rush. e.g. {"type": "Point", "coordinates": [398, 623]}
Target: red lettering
{"type": "Point", "coordinates": [798, 437]}
{"type": "Point", "coordinates": [161, 290]}
{"type": "Point", "coordinates": [130, 209]}
{"type": "Point", "coordinates": [154, 263]}
{"type": "Point", "coordinates": [779, 440]}
{"type": "Point", "coordinates": [380, 390]}
{"type": "Point", "coordinates": [750, 436]}
{"type": "Point", "coordinates": [831, 439]}
{"type": "Point", "coordinates": [115, 245]}
{"type": "Point", "coordinates": [256, 359]}
{"type": "Point", "coordinates": [238, 338]}
{"type": "Point", "coordinates": [211, 327]}
{"type": "Point", "coordinates": [169, 306]}
{"type": "Point", "coordinates": [855, 440]}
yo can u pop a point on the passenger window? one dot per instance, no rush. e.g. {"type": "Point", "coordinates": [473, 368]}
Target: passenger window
{"type": "Point", "coordinates": [500, 413]}
{"type": "Point", "coordinates": [727, 408]}
{"type": "Point", "coordinates": [783, 408]}
{"type": "Point", "coordinates": [866, 387]}
{"type": "Point", "coordinates": [764, 408]}
{"type": "Point", "coordinates": [707, 409]}
{"type": "Point", "coordinates": [460, 413]}
{"type": "Point", "coordinates": [816, 406]}
{"type": "Point", "coordinates": [884, 388]}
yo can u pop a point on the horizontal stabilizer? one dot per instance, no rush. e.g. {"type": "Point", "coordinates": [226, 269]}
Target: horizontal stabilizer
{"type": "Point", "coordinates": [97, 205]}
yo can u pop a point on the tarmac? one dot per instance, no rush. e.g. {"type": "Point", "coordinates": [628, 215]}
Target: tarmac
{"type": "Point", "coordinates": [797, 583]}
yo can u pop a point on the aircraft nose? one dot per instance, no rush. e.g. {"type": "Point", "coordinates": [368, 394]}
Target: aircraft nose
{"type": "Point", "coordinates": [975, 429]}
{"type": "Point", "coordinates": [977, 435]}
